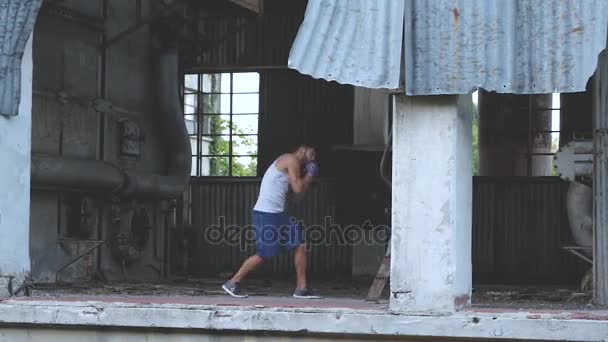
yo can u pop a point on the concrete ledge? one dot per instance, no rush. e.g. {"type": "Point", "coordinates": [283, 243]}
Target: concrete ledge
{"type": "Point", "coordinates": [572, 326]}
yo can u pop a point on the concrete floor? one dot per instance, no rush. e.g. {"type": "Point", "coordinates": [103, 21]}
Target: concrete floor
{"type": "Point", "coordinates": [347, 294]}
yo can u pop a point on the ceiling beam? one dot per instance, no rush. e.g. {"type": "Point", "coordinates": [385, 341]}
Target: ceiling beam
{"type": "Point", "coordinates": [256, 6]}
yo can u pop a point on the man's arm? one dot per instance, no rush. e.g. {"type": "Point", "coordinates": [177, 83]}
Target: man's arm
{"type": "Point", "coordinates": [297, 182]}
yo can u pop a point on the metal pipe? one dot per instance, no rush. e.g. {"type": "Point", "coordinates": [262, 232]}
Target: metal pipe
{"type": "Point", "coordinates": [50, 172]}
{"type": "Point", "coordinates": [175, 136]}
{"type": "Point", "coordinates": [83, 175]}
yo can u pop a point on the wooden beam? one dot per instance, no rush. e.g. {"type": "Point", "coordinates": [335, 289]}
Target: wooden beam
{"type": "Point", "coordinates": [600, 183]}
{"type": "Point", "coordinates": [256, 6]}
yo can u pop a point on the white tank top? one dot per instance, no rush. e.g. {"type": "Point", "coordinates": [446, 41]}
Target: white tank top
{"type": "Point", "coordinates": [273, 191]}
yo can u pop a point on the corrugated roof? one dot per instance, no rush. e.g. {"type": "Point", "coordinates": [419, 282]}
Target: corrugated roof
{"type": "Point", "coordinates": [454, 46]}
{"type": "Point", "coordinates": [351, 41]}
{"type": "Point", "coordinates": [17, 18]}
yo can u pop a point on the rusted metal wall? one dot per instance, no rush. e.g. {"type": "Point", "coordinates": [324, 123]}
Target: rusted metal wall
{"type": "Point", "coordinates": [519, 227]}
{"type": "Point", "coordinates": [222, 208]}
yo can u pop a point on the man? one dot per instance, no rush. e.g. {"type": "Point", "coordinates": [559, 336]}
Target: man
{"type": "Point", "coordinates": [274, 229]}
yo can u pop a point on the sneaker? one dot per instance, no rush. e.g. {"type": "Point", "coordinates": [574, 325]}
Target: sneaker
{"type": "Point", "coordinates": [234, 289]}
{"type": "Point", "coordinates": [306, 294]}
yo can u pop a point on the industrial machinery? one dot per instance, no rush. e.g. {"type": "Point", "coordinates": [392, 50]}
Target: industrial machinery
{"type": "Point", "coordinates": [574, 163]}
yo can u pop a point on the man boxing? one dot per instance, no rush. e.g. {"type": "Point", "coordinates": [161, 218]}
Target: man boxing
{"type": "Point", "coordinates": [274, 229]}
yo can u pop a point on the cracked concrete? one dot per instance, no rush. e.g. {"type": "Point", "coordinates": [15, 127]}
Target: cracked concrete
{"type": "Point", "coordinates": [472, 323]}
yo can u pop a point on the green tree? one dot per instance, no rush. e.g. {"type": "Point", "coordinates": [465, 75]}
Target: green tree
{"type": "Point", "coordinates": [219, 166]}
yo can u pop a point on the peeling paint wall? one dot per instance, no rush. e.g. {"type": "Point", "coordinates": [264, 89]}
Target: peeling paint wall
{"type": "Point", "coordinates": [431, 204]}
{"type": "Point", "coordinates": [15, 171]}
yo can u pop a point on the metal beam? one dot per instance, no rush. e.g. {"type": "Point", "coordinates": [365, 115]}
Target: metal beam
{"type": "Point", "coordinates": [256, 6]}
{"type": "Point", "coordinates": [140, 22]}
{"type": "Point", "coordinates": [600, 183]}
{"type": "Point", "coordinates": [56, 9]}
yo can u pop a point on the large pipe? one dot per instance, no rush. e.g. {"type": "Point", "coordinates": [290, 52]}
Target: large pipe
{"type": "Point", "coordinates": [175, 136]}
{"type": "Point", "coordinates": [579, 205]}
{"type": "Point", "coordinates": [76, 174]}
{"type": "Point", "coordinates": [99, 176]}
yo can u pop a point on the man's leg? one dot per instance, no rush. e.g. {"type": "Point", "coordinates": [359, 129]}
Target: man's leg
{"type": "Point", "coordinates": [249, 265]}
{"type": "Point", "coordinates": [300, 263]}
{"type": "Point", "coordinates": [267, 245]}
{"type": "Point", "coordinates": [295, 242]}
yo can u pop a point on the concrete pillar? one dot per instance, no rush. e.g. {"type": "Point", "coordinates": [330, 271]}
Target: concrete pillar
{"type": "Point", "coordinates": [431, 203]}
{"type": "Point", "coordinates": [600, 183]}
{"type": "Point", "coordinates": [15, 152]}
{"type": "Point", "coordinates": [504, 134]}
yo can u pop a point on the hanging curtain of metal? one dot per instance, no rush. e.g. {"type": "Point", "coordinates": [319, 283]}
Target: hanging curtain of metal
{"type": "Point", "coordinates": [17, 18]}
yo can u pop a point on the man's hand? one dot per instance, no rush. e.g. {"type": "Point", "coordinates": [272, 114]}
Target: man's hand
{"type": "Point", "coordinates": [297, 180]}
{"type": "Point", "coordinates": [311, 168]}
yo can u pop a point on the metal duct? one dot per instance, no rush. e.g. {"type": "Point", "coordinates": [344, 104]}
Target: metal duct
{"type": "Point", "coordinates": [175, 135]}
{"type": "Point", "coordinates": [579, 204]}
{"type": "Point", "coordinates": [99, 176]}
{"type": "Point", "coordinates": [76, 174]}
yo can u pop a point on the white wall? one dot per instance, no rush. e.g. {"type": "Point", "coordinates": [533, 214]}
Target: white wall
{"type": "Point", "coordinates": [15, 151]}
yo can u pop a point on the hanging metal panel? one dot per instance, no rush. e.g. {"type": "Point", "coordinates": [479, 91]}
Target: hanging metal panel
{"type": "Point", "coordinates": [355, 42]}
{"type": "Point", "coordinates": [17, 18]}
{"type": "Point", "coordinates": [453, 46]}
{"type": "Point", "coordinates": [512, 46]}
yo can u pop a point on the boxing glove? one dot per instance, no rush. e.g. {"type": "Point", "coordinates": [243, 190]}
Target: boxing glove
{"type": "Point", "coordinates": [311, 168]}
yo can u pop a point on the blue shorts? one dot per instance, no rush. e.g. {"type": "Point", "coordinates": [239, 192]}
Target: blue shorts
{"type": "Point", "coordinates": [274, 231]}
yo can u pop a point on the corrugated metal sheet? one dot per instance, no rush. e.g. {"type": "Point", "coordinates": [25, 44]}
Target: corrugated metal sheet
{"type": "Point", "coordinates": [230, 201]}
{"type": "Point", "coordinates": [356, 42]}
{"type": "Point", "coordinates": [519, 46]}
{"type": "Point", "coordinates": [454, 46]}
{"type": "Point", "coordinates": [519, 227]}
{"type": "Point", "coordinates": [17, 18]}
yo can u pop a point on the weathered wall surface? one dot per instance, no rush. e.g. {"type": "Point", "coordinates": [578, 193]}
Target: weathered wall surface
{"type": "Point", "coordinates": [15, 169]}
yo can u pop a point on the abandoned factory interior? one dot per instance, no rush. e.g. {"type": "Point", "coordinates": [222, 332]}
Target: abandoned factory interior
{"type": "Point", "coordinates": [456, 188]}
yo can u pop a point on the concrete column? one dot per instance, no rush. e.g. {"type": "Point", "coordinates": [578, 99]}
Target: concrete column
{"type": "Point", "coordinates": [432, 203]}
{"type": "Point", "coordinates": [600, 183]}
{"type": "Point", "coordinates": [15, 152]}
{"type": "Point", "coordinates": [504, 134]}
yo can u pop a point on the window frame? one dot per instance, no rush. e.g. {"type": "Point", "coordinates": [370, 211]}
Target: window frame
{"type": "Point", "coordinates": [532, 131]}
{"type": "Point", "coordinates": [199, 115]}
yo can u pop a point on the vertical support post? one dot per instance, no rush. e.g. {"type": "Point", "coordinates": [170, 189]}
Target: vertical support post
{"type": "Point", "coordinates": [431, 266]}
{"type": "Point", "coordinates": [600, 183]}
{"type": "Point", "coordinates": [15, 153]}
